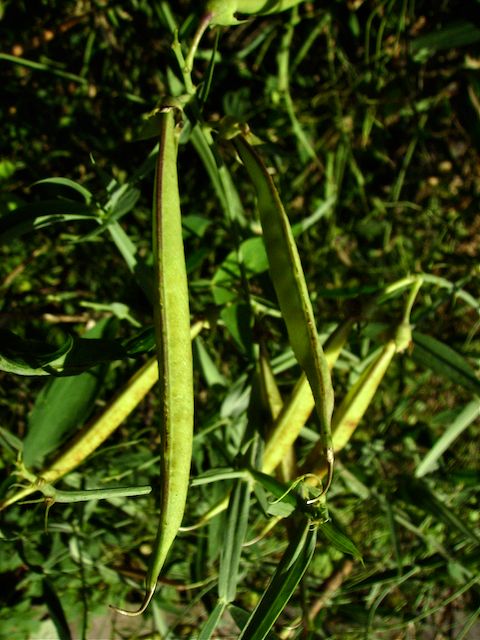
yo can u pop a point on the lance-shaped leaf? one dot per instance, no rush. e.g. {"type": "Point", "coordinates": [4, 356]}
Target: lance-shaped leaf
{"type": "Point", "coordinates": [62, 406]}
{"type": "Point", "coordinates": [442, 359]}
{"type": "Point", "coordinates": [34, 358]}
{"type": "Point", "coordinates": [290, 571]}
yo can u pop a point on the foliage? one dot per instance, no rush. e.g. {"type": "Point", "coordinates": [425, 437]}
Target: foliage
{"type": "Point", "coordinates": [367, 117]}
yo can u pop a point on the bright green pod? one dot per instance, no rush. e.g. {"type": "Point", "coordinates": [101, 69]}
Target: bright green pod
{"type": "Point", "coordinates": [174, 352]}
{"type": "Point", "coordinates": [290, 286]}
{"type": "Point", "coordinates": [296, 411]}
{"type": "Point", "coordinates": [229, 12]}
{"type": "Point", "coordinates": [353, 407]}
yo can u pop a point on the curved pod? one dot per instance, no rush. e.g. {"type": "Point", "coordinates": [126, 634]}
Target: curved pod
{"type": "Point", "coordinates": [174, 352]}
{"type": "Point", "coordinates": [289, 282]}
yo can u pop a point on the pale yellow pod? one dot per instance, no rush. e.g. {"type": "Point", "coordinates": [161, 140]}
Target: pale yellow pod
{"type": "Point", "coordinates": [350, 412]}
{"type": "Point", "coordinates": [96, 431]}
{"type": "Point", "coordinates": [297, 410]}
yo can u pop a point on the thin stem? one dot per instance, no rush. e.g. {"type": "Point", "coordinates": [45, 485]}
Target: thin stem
{"type": "Point", "coordinates": [411, 299]}
{"type": "Point", "coordinates": [202, 27]}
{"type": "Point", "coordinates": [177, 50]}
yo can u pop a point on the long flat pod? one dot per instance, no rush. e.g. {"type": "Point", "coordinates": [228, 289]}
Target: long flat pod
{"type": "Point", "coordinates": [174, 353]}
{"type": "Point", "coordinates": [296, 411]}
{"type": "Point", "coordinates": [289, 282]}
{"type": "Point", "coordinates": [96, 431]}
{"type": "Point", "coordinates": [355, 404]}
{"type": "Point", "coordinates": [224, 12]}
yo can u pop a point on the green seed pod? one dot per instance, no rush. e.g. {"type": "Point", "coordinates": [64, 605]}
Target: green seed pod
{"type": "Point", "coordinates": [227, 13]}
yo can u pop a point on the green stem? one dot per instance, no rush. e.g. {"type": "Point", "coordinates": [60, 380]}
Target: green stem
{"type": "Point", "coordinates": [55, 495]}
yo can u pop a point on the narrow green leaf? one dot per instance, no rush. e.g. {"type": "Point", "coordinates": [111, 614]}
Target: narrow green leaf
{"type": "Point", "coordinates": [422, 496]}
{"type": "Point", "coordinates": [142, 342]}
{"type": "Point", "coordinates": [290, 571]}
{"type": "Point", "coordinates": [237, 319]}
{"type": "Point", "coordinates": [241, 618]}
{"type": "Point", "coordinates": [227, 277]}
{"type": "Point", "coordinates": [220, 178]}
{"type": "Point", "coordinates": [39, 215]}
{"type": "Point", "coordinates": [70, 184]}
{"type": "Point", "coordinates": [282, 491]}
{"type": "Point", "coordinates": [463, 420]}
{"type": "Point", "coordinates": [10, 440]}
{"type": "Point", "coordinates": [339, 539]}
{"type": "Point", "coordinates": [62, 406]}
{"type": "Point", "coordinates": [55, 609]}
{"type": "Point", "coordinates": [457, 34]}
{"type": "Point", "coordinates": [443, 360]}
{"type": "Point", "coordinates": [237, 522]}
{"type": "Point", "coordinates": [195, 225]}
{"type": "Point", "coordinates": [204, 362]}
{"type": "Point", "coordinates": [122, 200]}
{"type": "Point", "coordinates": [212, 622]}
{"type": "Point", "coordinates": [34, 358]}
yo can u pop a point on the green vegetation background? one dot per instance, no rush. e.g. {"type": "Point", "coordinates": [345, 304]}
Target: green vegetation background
{"type": "Point", "coordinates": [386, 131]}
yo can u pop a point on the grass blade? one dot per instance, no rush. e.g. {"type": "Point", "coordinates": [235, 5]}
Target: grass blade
{"type": "Point", "coordinates": [442, 359]}
{"type": "Point", "coordinates": [212, 622]}
{"type": "Point", "coordinates": [463, 420]}
{"type": "Point", "coordinates": [237, 521]}
{"type": "Point", "coordinates": [289, 572]}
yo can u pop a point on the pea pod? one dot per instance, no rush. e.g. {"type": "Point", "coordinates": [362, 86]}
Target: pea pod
{"type": "Point", "coordinates": [290, 418]}
{"type": "Point", "coordinates": [296, 411]}
{"type": "Point", "coordinates": [224, 12]}
{"type": "Point", "coordinates": [174, 353]}
{"type": "Point", "coordinates": [95, 432]}
{"type": "Point", "coordinates": [353, 407]}
{"type": "Point", "coordinates": [289, 282]}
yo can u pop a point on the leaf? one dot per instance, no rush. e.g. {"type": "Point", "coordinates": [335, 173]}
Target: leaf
{"type": "Point", "coordinates": [237, 319]}
{"type": "Point", "coordinates": [39, 215]}
{"type": "Point", "coordinates": [62, 406]}
{"type": "Point", "coordinates": [212, 622]}
{"type": "Point", "coordinates": [236, 529]}
{"type": "Point", "coordinates": [55, 609]}
{"type": "Point", "coordinates": [463, 420]}
{"type": "Point", "coordinates": [285, 493]}
{"type": "Point", "coordinates": [194, 225]}
{"type": "Point", "coordinates": [290, 570]}
{"type": "Point", "coordinates": [142, 342]}
{"type": "Point", "coordinates": [339, 540]}
{"type": "Point", "coordinates": [204, 362]}
{"type": "Point", "coordinates": [241, 617]}
{"type": "Point", "coordinates": [227, 278]}
{"type": "Point", "coordinates": [443, 360]}
{"type": "Point", "coordinates": [10, 440]}
{"type": "Point", "coordinates": [225, 283]}
{"type": "Point", "coordinates": [34, 358]}
{"type": "Point", "coordinates": [121, 202]}
{"type": "Point", "coordinates": [457, 34]}
{"type": "Point", "coordinates": [70, 184]}
{"type": "Point", "coordinates": [422, 496]}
